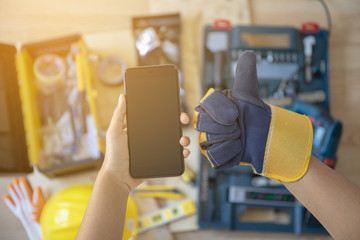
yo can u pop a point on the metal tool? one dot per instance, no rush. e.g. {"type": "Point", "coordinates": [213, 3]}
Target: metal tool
{"type": "Point", "coordinates": [272, 70]}
{"type": "Point", "coordinates": [217, 42]}
{"type": "Point", "coordinates": [309, 42]}
{"type": "Point", "coordinates": [308, 97]}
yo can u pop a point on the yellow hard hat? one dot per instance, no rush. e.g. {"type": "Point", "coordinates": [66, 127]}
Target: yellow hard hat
{"type": "Point", "coordinates": [64, 211]}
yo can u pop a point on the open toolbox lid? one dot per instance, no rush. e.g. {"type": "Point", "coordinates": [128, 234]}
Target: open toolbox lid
{"type": "Point", "coordinates": [13, 152]}
{"type": "Point", "coordinates": [20, 120]}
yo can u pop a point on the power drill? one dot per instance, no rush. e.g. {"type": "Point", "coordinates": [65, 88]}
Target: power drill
{"type": "Point", "coordinates": [327, 131]}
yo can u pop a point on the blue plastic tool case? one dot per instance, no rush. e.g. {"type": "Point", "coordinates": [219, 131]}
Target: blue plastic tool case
{"type": "Point", "coordinates": [226, 195]}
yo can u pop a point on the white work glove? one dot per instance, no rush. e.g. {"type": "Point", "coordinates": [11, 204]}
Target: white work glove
{"type": "Point", "coordinates": [26, 205]}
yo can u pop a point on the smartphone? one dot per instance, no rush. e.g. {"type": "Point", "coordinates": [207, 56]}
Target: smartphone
{"type": "Point", "coordinates": [153, 121]}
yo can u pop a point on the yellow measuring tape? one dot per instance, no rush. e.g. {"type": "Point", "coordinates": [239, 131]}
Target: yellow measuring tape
{"type": "Point", "coordinates": [166, 215]}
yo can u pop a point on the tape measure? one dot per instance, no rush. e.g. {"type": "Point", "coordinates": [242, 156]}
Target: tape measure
{"type": "Point", "coordinates": [166, 215]}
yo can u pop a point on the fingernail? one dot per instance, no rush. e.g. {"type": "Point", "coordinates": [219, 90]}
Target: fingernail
{"type": "Point", "coordinates": [120, 99]}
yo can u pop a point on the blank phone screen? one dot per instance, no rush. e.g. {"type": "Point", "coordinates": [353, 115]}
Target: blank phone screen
{"type": "Point", "coordinates": [153, 121]}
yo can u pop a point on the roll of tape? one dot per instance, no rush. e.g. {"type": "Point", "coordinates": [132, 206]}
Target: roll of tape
{"type": "Point", "coordinates": [49, 70]}
{"type": "Point", "coordinates": [107, 68]}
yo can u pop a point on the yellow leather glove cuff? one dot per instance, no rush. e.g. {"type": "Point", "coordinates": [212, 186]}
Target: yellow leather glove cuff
{"type": "Point", "coordinates": [288, 146]}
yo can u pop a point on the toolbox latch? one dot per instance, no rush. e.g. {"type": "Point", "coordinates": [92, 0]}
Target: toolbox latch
{"type": "Point", "coordinates": [310, 27]}
{"type": "Point", "coordinates": [222, 24]}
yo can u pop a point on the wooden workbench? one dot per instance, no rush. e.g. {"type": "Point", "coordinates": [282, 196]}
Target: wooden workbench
{"type": "Point", "coordinates": [106, 28]}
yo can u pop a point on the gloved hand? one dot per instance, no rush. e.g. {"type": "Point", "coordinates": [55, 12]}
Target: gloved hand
{"type": "Point", "coordinates": [26, 205]}
{"type": "Point", "coordinates": [237, 128]}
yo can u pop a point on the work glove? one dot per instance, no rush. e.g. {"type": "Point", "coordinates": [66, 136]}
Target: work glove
{"type": "Point", "coordinates": [237, 128]}
{"type": "Point", "coordinates": [26, 205]}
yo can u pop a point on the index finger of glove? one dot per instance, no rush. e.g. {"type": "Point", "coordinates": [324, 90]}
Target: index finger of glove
{"type": "Point", "coordinates": [219, 107]}
{"type": "Point", "coordinates": [26, 188]}
{"type": "Point", "coordinates": [203, 122]}
{"type": "Point", "coordinates": [15, 198]}
{"type": "Point", "coordinates": [17, 190]}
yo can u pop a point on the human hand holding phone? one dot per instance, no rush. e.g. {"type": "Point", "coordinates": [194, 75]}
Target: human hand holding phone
{"type": "Point", "coordinates": [116, 161]}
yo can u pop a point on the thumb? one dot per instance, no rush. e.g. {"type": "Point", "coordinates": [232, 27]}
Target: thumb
{"type": "Point", "coordinates": [117, 121]}
{"type": "Point", "coordinates": [246, 85]}
{"type": "Point", "coordinates": [25, 189]}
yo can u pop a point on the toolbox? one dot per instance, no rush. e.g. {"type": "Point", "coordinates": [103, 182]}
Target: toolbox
{"type": "Point", "coordinates": [292, 68]}
{"type": "Point", "coordinates": [47, 101]}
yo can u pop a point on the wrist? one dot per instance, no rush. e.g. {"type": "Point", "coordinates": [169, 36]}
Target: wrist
{"type": "Point", "coordinates": [109, 177]}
